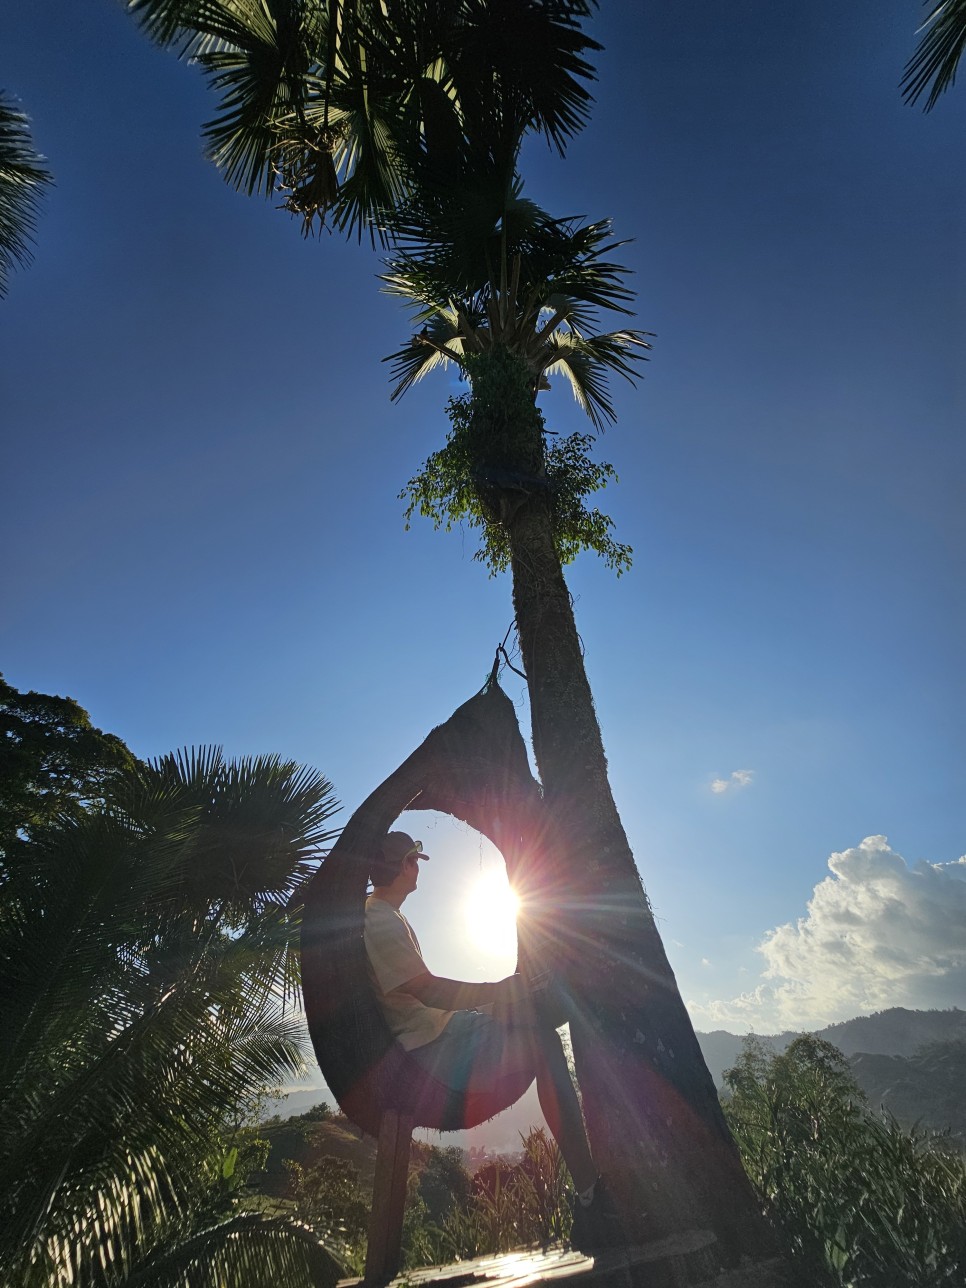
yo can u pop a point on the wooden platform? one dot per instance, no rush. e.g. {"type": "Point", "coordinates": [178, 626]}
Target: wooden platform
{"type": "Point", "coordinates": [527, 1269]}
{"type": "Point", "coordinates": [679, 1260]}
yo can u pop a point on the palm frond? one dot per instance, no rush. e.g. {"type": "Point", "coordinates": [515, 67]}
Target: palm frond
{"type": "Point", "coordinates": [933, 66]}
{"type": "Point", "coordinates": [261, 821]}
{"type": "Point", "coordinates": [23, 178]}
{"type": "Point", "coordinates": [145, 998]}
{"type": "Point", "coordinates": [521, 65]}
{"type": "Point", "coordinates": [586, 363]}
{"type": "Point", "coordinates": [453, 249]}
{"type": "Point", "coordinates": [440, 342]}
{"type": "Point", "coordinates": [187, 26]}
{"type": "Point", "coordinates": [262, 69]}
{"type": "Point", "coordinates": [352, 107]}
{"type": "Point", "coordinates": [249, 1250]}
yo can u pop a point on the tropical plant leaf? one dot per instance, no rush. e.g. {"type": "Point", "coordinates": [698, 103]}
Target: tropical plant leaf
{"type": "Point", "coordinates": [933, 66]}
{"type": "Point", "coordinates": [149, 956]}
{"type": "Point", "coordinates": [249, 1250]}
{"type": "Point", "coordinates": [23, 177]}
{"type": "Point", "coordinates": [351, 107]}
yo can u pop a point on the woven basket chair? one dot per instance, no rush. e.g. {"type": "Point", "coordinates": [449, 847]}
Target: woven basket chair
{"type": "Point", "coordinates": [474, 767]}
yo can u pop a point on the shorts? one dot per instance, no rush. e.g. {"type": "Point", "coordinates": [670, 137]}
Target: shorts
{"type": "Point", "coordinates": [475, 1051]}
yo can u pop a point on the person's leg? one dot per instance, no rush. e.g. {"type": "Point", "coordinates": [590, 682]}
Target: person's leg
{"type": "Point", "coordinates": [475, 1050]}
{"type": "Point", "coordinates": [502, 1049]}
{"type": "Point", "coordinates": [561, 1108]}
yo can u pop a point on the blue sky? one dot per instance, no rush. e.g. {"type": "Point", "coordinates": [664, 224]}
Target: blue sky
{"type": "Point", "coordinates": [201, 466]}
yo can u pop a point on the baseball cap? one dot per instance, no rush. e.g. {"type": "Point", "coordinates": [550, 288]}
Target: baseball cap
{"type": "Point", "coordinates": [397, 845]}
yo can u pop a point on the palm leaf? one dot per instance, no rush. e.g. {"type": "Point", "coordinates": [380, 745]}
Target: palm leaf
{"type": "Point", "coordinates": [933, 65]}
{"type": "Point", "coordinates": [354, 106]}
{"type": "Point", "coordinates": [439, 343]}
{"type": "Point", "coordinates": [23, 178]}
{"type": "Point", "coordinates": [587, 362]}
{"type": "Point", "coordinates": [151, 948]}
{"type": "Point", "coordinates": [249, 1250]}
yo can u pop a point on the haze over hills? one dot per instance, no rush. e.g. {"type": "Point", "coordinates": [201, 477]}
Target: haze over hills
{"type": "Point", "coordinates": [896, 1032]}
{"type": "Point", "coordinates": [879, 1047]}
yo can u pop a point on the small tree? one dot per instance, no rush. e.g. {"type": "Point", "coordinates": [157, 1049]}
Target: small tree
{"type": "Point", "coordinates": [53, 761]}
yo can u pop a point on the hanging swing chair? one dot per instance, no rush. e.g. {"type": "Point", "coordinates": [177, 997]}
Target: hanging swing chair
{"type": "Point", "coordinates": [474, 767]}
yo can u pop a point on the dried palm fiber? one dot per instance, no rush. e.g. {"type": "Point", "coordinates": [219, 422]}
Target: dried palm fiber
{"type": "Point", "coordinates": [475, 768]}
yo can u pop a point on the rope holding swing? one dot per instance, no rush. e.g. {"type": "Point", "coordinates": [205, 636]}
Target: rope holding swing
{"type": "Point", "coordinates": [501, 652]}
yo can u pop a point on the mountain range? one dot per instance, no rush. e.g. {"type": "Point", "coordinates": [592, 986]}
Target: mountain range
{"type": "Point", "coordinates": [912, 1063]}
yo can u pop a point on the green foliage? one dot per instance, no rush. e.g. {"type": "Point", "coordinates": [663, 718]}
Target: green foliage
{"type": "Point", "coordinates": [328, 1195]}
{"type": "Point", "coordinates": [483, 268]}
{"type": "Point", "coordinates": [449, 1215]}
{"type": "Point", "coordinates": [346, 107]}
{"type": "Point", "coordinates": [497, 457]}
{"type": "Point", "coordinates": [23, 178]}
{"type": "Point", "coordinates": [53, 761]}
{"type": "Point", "coordinates": [146, 948]}
{"type": "Point", "coordinates": [933, 65]}
{"type": "Point", "coordinates": [861, 1202]}
{"type": "Point", "coordinates": [510, 1205]}
{"type": "Point", "coordinates": [443, 1181]}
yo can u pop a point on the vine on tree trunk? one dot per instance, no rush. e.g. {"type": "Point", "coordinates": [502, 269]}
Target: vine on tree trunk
{"type": "Point", "coordinates": [498, 455]}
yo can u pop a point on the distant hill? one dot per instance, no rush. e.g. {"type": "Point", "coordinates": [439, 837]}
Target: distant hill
{"type": "Point", "coordinates": [928, 1088]}
{"type": "Point", "coordinates": [896, 1032]}
{"type": "Point", "coordinates": [304, 1138]}
{"type": "Point", "coordinates": [881, 1048]}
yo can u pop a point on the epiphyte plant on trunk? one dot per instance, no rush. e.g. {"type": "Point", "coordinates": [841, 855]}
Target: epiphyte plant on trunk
{"type": "Point", "coordinates": [511, 305]}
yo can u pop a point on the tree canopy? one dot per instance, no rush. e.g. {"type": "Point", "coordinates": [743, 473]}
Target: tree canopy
{"type": "Point", "coordinates": [346, 106]}
{"type": "Point", "coordinates": [148, 965]}
{"type": "Point", "coordinates": [53, 761]}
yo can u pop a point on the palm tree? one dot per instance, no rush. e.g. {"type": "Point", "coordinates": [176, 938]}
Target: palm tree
{"type": "Point", "coordinates": [933, 65]}
{"type": "Point", "coordinates": [344, 105]}
{"type": "Point", "coordinates": [512, 303]}
{"type": "Point", "coordinates": [407, 118]}
{"type": "Point", "coordinates": [23, 177]}
{"type": "Point", "coordinates": [148, 953]}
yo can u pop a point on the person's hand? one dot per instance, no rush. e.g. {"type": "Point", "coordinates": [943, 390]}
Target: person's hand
{"type": "Point", "coordinates": [511, 997]}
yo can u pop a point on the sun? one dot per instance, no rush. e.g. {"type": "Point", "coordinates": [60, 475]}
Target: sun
{"type": "Point", "coordinates": [491, 913]}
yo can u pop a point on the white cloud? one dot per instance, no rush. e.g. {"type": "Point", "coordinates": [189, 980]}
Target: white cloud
{"type": "Point", "coordinates": [739, 778]}
{"type": "Point", "coordinates": [877, 933]}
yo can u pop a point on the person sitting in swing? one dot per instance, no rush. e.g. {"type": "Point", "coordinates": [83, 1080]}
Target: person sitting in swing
{"type": "Point", "coordinates": [444, 1027]}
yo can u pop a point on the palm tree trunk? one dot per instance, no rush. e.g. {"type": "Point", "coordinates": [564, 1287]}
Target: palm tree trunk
{"type": "Point", "coordinates": [655, 1125]}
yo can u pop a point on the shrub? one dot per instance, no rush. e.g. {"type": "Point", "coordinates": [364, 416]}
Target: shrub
{"type": "Point", "coordinates": [861, 1202]}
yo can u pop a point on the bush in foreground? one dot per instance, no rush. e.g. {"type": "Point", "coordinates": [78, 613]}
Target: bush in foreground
{"type": "Point", "coordinates": [860, 1202]}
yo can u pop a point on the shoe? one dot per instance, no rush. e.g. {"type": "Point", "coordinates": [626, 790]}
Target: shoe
{"type": "Point", "coordinates": [597, 1227]}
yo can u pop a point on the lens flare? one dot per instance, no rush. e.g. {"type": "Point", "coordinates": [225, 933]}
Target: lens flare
{"type": "Point", "coordinates": [491, 913]}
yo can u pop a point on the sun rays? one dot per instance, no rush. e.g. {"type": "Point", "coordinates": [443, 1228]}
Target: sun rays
{"type": "Point", "coordinates": [490, 911]}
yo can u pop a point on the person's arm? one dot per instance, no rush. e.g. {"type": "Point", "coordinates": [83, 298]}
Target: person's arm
{"type": "Point", "coordinates": [456, 995]}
